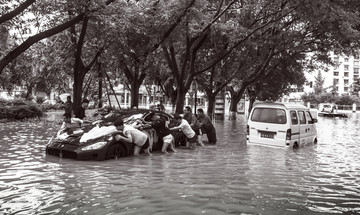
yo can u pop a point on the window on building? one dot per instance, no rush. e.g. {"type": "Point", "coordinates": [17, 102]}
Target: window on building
{"type": "Point", "coordinates": [356, 70]}
{"type": "Point", "coordinates": [346, 59]}
{"type": "Point", "coordinates": [346, 74]}
{"type": "Point", "coordinates": [346, 89]}
{"type": "Point", "coordinates": [336, 73]}
{"type": "Point", "coordinates": [356, 56]}
{"type": "Point", "coordinates": [336, 58]}
{"type": "Point", "coordinates": [336, 81]}
{"type": "Point", "coordinates": [356, 76]}
{"type": "Point", "coordinates": [356, 63]}
{"type": "Point", "coordinates": [346, 81]}
{"type": "Point", "coordinates": [346, 67]}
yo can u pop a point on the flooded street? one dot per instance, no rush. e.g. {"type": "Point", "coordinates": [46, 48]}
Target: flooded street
{"type": "Point", "coordinates": [229, 178]}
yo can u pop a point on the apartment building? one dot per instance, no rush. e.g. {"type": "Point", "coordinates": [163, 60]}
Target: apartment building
{"type": "Point", "coordinates": [339, 77]}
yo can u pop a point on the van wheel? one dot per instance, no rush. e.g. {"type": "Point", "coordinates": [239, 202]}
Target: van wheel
{"type": "Point", "coordinates": [296, 145]}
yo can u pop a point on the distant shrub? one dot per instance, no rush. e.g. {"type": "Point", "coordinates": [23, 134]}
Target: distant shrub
{"type": "Point", "coordinates": [47, 107]}
{"type": "Point", "coordinates": [330, 98]}
{"type": "Point", "coordinates": [18, 110]}
{"type": "Point", "coordinates": [4, 102]}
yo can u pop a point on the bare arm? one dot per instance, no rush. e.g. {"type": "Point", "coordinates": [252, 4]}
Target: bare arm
{"type": "Point", "coordinates": [179, 127]}
{"type": "Point", "coordinates": [175, 128]}
{"type": "Point", "coordinates": [127, 138]}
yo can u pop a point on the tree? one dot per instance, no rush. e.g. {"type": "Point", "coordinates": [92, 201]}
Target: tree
{"type": "Point", "coordinates": [347, 100]}
{"type": "Point", "coordinates": [217, 65]}
{"type": "Point", "coordinates": [212, 83]}
{"type": "Point", "coordinates": [35, 72]}
{"type": "Point", "coordinates": [267, 26]}
{"type": "Point", "coordinates": [298, 28]}
{"type": "Point", "coordinates": [58, 23]}
{"type": "Point", "coordinates": [330, 98]}
{"type": "Point", "coordinates": [182, 51]}
{"type": "Point", "coordinates": [278, 83]}
{"type": "Point", "coordinates": [355, 87]}
{"type": "Point", "coordinates": [319, 84]}
{"type": "Point", "coordinates": [141, 29]}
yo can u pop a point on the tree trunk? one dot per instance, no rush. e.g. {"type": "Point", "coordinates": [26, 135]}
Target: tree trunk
{"type": "Point", "coordinates": [235, 99]}
{"type": "Point", "coordinates": [135, 86]}
{"type": "Point", "coordinates": [211, 105]}
{"type": "Point", "coordinates": [233, 108]}
{"type": "Point", "coordinates": [77, 90]}
{"type": "Point", "coordinates": [251, 104]}
{"type": "Point", "coordinates": [100, 92]}
{"type": "Point", "coordinates": [180, 100]}
{"type": "Point", "coordinates": [29, 90]}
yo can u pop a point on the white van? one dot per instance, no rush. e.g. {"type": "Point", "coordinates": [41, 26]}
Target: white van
{"type": "Point", "coordinates": [281, 124]}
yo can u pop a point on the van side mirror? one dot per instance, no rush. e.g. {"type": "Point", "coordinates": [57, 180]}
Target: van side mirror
{"type": "Point", "coordinates": [314, 120]}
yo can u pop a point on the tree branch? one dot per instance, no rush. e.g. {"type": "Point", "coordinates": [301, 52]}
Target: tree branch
{"type": "Point", "coordinates": [171, 29]}
{"type": "Point", "coordinates": [36, 38]}
{"type": "Point", "coordinates": [238, 43]}
{"type": "Point", "coordinates": [17, 11]}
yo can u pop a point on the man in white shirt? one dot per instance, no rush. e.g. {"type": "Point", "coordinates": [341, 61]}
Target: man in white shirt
{"type": "Point", "coordinates": [133, 135]}
{"type": "Point", "coordinates": [185, 127]}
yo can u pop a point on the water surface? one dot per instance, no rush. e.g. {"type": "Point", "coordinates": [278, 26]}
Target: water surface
{"type": "Point", "coordinates": [229, 178]}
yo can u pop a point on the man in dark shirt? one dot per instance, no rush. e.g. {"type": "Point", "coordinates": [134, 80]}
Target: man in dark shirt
{"type": "Point", "coordinates": [206, 126]}
{"type": "Point", "coordinates": [80, 113]}
{"type": "Point", "coordinates": [162, 129]}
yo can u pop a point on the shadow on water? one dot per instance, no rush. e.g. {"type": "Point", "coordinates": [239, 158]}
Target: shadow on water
{"type": "Point", "coordinates": [227, 178]}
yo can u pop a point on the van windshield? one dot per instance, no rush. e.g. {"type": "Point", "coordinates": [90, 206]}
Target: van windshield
{"type": "Point", "coordinates": [269, 115]}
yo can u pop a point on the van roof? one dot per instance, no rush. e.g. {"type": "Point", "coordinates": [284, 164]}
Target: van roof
{"type": "Point", "coordinates": [279, 104]}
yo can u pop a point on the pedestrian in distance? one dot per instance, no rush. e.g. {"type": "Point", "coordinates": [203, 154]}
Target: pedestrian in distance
{"type": "Point", "coordinates": [133, 135]}
{"type": "Point", "coordinates": [68, 109]}
{"type": "Point", "coordinates": [207, 126]}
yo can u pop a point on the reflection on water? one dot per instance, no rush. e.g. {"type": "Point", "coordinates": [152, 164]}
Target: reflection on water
{"type": "Point", "coordinates": [229, 178]}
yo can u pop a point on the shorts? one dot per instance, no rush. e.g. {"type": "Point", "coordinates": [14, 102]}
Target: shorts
{"type": "Point", "coordinates": [168, 139]}
{"type": "Point", "coordinates": [146, 144]}
{"type": "Point", "coordinates": [198, 131]}
{"type": "Point", "coordinates": [193, 139]}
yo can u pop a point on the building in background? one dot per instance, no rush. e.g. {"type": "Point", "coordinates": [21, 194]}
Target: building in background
{"type": "Point", "coordinates": [337, 78]}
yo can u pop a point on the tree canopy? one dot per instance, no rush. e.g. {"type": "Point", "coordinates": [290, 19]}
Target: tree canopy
{"type": "Point", "coordinates": [261, 44]}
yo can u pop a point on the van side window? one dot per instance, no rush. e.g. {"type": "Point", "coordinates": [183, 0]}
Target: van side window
{"type": "Point", "coordinates": [294, 118]}
{"type": "Point", "coordinates": [308, 116]}
{"type": "Point", "coordinates": [302, 117]}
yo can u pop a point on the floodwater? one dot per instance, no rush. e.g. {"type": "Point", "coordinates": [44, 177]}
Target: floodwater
{"type": "Point", "coordinates": [229, 178]}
